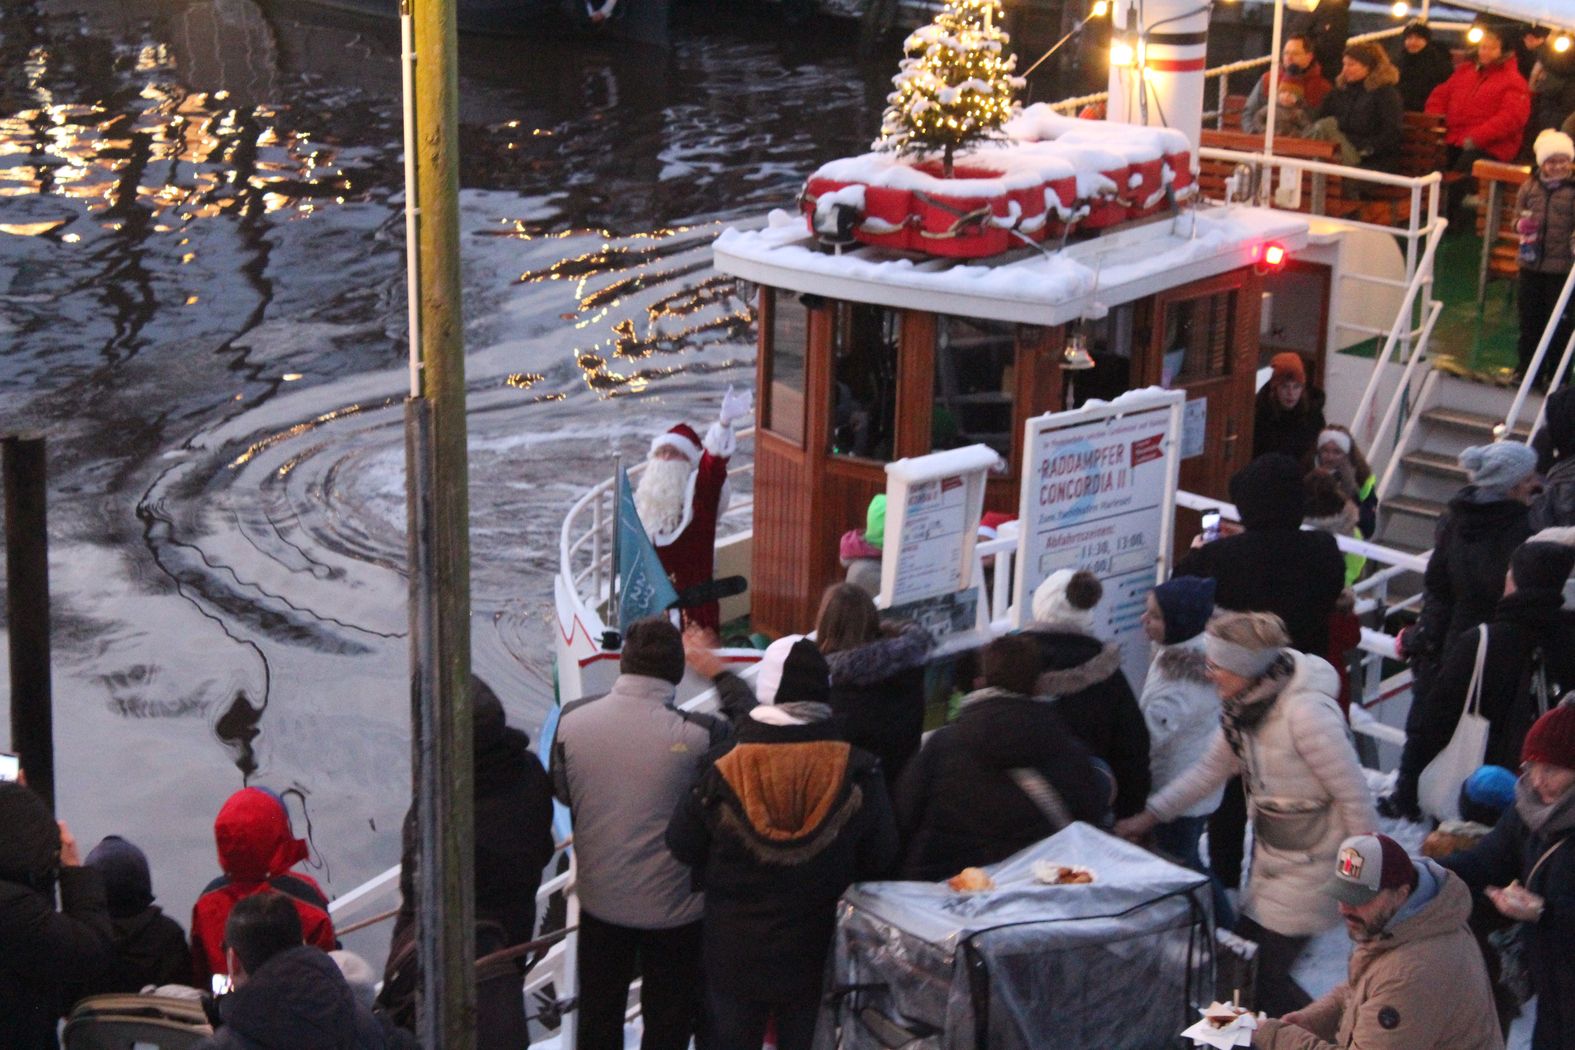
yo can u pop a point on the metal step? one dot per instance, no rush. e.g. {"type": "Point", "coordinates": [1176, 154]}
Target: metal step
{"type": "Point", "coordinates": [1436, 463]}
{"type": "Point", "coordinates": [1420, 508]}
{"type": "Point", "coordinates": [1460, 419]}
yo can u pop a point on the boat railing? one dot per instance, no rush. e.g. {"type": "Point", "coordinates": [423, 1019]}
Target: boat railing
{"type": "Point", "coordinates": [1534, 369]}
{"type": "Point", "coordinates": [585, 543]}
{"type": "Point", "coordinates": [1221, 75]}
{"type": "Point", "coordinates": [1408, 334]}
{"type": "Point", "coordinates": [1377, 647]}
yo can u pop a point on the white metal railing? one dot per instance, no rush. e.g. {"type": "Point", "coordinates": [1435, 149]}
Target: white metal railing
{"type": "Point", "coordinates": [585, 542]}
{"type": "Point", "coordinates": [1223, 73]}
{"type": "Point", "coordinates": [1506, 428]}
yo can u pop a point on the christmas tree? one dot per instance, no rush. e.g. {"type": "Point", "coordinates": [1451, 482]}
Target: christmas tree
{"type": "Point", "coordinates": [955, 86]}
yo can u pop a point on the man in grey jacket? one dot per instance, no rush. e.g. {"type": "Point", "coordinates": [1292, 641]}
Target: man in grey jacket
{"type": "Point", "coordinates": [621, 763]}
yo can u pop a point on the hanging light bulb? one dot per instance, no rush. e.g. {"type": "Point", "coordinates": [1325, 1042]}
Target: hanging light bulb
{"type": "Point", "coordinates": [1474, 35]}
{"type": "Point", "coordinates": [1121, 54]}
{"type": "Point", "coordinates": [1076, 358]}
{"type": "Point", "coordinates": [1561, 43]}
{"type": "Point", "coordinates": [1400, 9]}
{"type": "Point", "coordinates": [1100, 9]}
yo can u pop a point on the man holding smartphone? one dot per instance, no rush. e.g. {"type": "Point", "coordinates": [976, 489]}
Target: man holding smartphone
{"type": "Point", "coordinates": [46, 951]}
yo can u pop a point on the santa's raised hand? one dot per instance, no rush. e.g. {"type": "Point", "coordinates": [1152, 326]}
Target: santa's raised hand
{"type": "Point", "coordinates": [736, 404]}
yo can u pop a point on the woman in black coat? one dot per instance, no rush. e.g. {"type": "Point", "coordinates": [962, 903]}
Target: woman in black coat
{"type": "Point", "coordinates": [877, 676]}
{"type": "Point", "coordinates": [46, 952]}
{"type": "Point", "coordinates": [513, 844]}
{"type": "Point", "coordinates": [1529, 662]}
{"type": "Point", "coordinates": [959, 804]}
{"type": "Point", "coordinates": [1082, 677]}
{"type": "Point", "coordinates": [1526, 868]}
{"type": "Point", "coordinates": [1366, 108]}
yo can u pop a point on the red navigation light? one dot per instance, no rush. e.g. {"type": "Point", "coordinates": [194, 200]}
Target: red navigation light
{"type": "Point", "coordinates": [1271, 257]}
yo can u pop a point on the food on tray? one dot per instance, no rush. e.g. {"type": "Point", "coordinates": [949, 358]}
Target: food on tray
{"type": "Point", "coordinates": [971, 879]}
{"type": "Point", "coordinates": [1061, 874]}
{"type": "Point", "coordinates": [1221, 1015]}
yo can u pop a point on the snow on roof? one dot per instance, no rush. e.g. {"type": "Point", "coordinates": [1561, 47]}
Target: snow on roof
{"type": "Point", "coordinates": [1082, 280]}
{"type": "Point", "coordinates": [1041, 146]}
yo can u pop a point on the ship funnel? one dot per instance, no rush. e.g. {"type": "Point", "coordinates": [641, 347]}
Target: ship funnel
{"type": "Point", "coordinates": [1156, 64]}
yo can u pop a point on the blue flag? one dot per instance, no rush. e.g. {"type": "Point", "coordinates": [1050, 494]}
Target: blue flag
{"type": "Point", "coordinates": [643, 587]}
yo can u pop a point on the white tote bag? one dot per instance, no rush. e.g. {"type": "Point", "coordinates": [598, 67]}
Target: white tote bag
{"type": "Point", "coordinates": [1438, 789]}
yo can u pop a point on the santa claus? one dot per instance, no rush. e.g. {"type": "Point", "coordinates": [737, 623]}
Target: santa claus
{"type": "Point", "coordinates": [682, 493]}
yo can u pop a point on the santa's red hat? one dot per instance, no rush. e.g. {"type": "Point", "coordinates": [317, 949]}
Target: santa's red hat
{"type": "Point", "coordinates": [683, 439]}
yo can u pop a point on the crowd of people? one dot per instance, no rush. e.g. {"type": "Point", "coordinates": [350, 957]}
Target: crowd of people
{"type": "Point", "coordinates": [712, 848]}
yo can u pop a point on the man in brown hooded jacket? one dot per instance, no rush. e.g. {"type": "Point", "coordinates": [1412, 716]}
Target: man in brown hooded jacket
{"type": "Point", "coordinates": [1416, 980]}
{"type": "Point", "coordinates": [780, 823]}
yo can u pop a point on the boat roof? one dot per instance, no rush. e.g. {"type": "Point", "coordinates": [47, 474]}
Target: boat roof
{"type": "Point", "coordinates": [1043, 286]}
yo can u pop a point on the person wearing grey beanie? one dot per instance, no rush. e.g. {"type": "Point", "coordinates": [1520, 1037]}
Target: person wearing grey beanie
{"type": "Point", "coordinates": [1464, 580]}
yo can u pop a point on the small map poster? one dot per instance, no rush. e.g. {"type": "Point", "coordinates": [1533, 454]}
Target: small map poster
{"type": "Point", "coordinates": [933, 506]}
{"type": "Point", "coordinates": [1098, 493]}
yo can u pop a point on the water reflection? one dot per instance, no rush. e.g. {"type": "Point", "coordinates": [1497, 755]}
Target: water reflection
{"type": "Point", "coordinates": [201, 301]}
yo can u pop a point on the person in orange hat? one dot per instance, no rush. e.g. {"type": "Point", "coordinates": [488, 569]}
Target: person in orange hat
{"type": "Point", "coordinates": [1289, 411]}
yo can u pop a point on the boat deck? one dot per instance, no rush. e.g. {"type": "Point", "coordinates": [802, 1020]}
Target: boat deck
{"type": "Point", "coordinates": [1481, 341]}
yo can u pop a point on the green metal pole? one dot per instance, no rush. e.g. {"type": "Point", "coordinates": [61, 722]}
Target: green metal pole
{"type": "Point", "coordinates": [445, 793]}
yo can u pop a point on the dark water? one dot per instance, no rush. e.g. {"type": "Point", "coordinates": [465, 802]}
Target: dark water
{"type": "Point", "coordinates": [202, 305]}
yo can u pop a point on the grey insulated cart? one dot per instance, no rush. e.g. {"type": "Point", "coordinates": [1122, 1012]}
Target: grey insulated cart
{"type": "Point", "coordinates": [1120, 964]}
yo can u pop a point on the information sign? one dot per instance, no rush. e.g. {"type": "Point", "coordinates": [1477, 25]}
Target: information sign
{"type": "Point", "coordinates": [933, 506]}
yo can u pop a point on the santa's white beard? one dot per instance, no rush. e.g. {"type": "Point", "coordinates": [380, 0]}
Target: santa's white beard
{"type": "Point", "coordinates": [660, 499]}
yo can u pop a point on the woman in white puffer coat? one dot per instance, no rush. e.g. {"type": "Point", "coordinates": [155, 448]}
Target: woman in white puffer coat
{"type": "Point", "coordinates": [1281, 729]}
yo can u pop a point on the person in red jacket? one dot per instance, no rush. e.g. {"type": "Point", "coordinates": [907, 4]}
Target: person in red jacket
{"type": "Point", "coordinates": [257, 849]}
{"type": "Point", "coordinates": [1485, 106]}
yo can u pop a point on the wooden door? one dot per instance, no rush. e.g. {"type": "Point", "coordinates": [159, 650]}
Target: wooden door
{"type": "Point", "coordinates": [1204, 339]}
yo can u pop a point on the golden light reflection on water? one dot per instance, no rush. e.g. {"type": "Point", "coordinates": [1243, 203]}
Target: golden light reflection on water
{"type": "Point", "coordinates": [213, 157]}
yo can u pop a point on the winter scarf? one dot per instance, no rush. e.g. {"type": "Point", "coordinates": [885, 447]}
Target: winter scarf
{"type": "Point", "coordinates": [1545, 819]}
{"type": "Point", "coordinates": [1242, 711]}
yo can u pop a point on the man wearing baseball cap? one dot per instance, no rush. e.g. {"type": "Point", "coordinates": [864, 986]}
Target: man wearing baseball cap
{"type": "Point", "coordinates": [1416, 979]}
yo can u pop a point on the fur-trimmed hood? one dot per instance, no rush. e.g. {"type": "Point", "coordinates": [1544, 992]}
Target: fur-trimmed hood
{"type": "Point", "coordinates": [1341, 524]}
{"type": "Point", "coordinates": [787, 791]}
{"type": "Point", "coordinates": [1184, 661]}
{"type": "Point", "coordinates": [1384, 74]}
{"type": "Point", "coordinates": [1076, 661]}
{"type": "Point", "coordinates": [906, 647]}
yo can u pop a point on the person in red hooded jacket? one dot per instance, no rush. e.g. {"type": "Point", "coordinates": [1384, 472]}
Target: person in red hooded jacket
{"type": "Point", "coordinates": [257, 850]}
{"type": "Point", "coordinates": [1485, 106]}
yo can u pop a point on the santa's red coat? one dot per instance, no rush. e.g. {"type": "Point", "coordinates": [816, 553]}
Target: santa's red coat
{"type": "Point", "coordinates": [690, 559]}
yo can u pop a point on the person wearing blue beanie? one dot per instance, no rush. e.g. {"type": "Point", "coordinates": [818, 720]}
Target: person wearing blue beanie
{"type": "Point", "coordinates": [1486, 794]}
{"type": "Point", "coordinates": [1181, 708]}
{"type": "Point", "coordinates": [1185, 603]}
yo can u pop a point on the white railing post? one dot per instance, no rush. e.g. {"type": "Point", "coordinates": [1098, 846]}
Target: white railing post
{"type": "Point", "coordinates": [1508, 426]}
{"type": "Point", "coordinates": [1364, 408]}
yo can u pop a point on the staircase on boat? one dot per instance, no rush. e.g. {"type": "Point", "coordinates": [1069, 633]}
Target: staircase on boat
{"type": "Point", "coordinates": [1452, 413]}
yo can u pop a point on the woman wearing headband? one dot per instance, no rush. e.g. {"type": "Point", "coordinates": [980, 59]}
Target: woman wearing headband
{"type": "Point", "coordinates": [1282, 731]}
{"type": "Point", "coordinates": [1340, 456]}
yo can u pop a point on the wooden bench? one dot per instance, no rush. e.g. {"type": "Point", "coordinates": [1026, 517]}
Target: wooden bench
{"type": "Point", "coordinates": [1498, 183]}
{"type": "Point", "coordinates": [1230, 113]}
{"type": "Point", "coordinates": [1422, 151]}
{"type": "Point", "coordinates": [1325, 196]}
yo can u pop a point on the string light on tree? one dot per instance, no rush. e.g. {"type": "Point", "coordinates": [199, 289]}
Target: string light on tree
{"type": "Point", "coordinates": [955, 87]}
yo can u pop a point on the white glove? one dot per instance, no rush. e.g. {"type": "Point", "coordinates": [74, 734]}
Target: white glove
{"type": "Point", "coordinates": [736, 404]}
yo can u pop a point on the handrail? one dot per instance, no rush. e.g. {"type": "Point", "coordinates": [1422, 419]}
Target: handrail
{"type": "Point", "coordinates": [1535, 367]}
{"type": "Point", "coordinates": [1424, 272]}
{"type": "Point", "coordinates": [572, 538]}
{"type": "Point", "coordinates": [1239, 66]}
{"type": "Point", "coordinates": [1418, 354]}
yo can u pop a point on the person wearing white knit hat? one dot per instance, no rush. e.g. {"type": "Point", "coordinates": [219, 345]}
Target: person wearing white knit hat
{"type": "Point", "coordinates": [1545, 222]}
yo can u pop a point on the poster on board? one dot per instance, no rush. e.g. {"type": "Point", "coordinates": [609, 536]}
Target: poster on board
{"type": "Point", "coordinates": [1098, 493]}
{"type": "Point", "coordinates": [933, 506]}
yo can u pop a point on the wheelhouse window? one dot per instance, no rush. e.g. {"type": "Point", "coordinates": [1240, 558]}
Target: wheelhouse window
{"type": "Point", "coordinates": [864, 381]}
{"type": "Point", "coordinates": [786, 351]}
{"type": "Point", "coordinates": [975, 364]}
{"type": "Point", "coordinates": [1199, 333]}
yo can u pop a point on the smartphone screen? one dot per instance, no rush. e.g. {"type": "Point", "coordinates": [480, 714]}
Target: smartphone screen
{"type": "Point", "coordinates": [222, 985]}
{"type": "Point", "coordinates": [1211, 526]}
{"type": "Point", "coordinates": [10, 766]}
